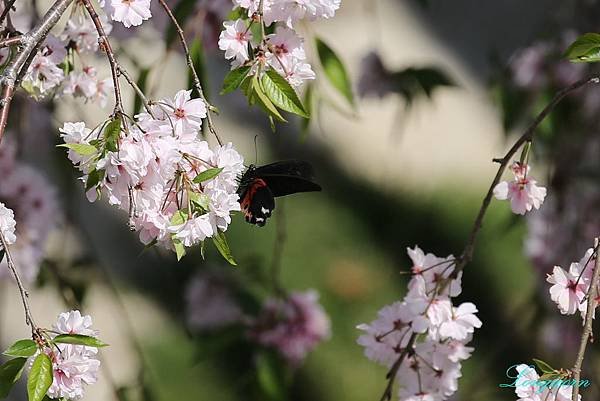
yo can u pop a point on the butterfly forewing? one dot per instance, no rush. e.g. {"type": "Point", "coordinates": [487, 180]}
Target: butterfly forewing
{"type": "Point", "coordinates": [288, 177]}
{"type": "Point", "coordinates": [260, 185]}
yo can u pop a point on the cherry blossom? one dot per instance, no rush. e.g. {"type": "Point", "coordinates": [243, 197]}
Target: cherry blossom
{"type": "Point", "coordinates": [523, 192]}
{"type": "Point", "coordinates": [186, 114]}
{"type": "Point", "coordinates": [426, 316]}
{"type": "Point", "coordinates": [234, 41]}
{"type": "Point", "coordinates": [293, 326]}
{"type": "Point", "coordinates": [74, 366]}
{"type": "Point", "coordinates": [151, 174]}
{"type": "Point", "coordinates": [569, 288]}
{"type": "Point", "coordinates": [7, 225]}
{"type": "Point", "coordinates": [128, 12]}
{"type": "Point", "coordinates": [529, 386]}
{"type": "Point", "coordinates": [281, 50]}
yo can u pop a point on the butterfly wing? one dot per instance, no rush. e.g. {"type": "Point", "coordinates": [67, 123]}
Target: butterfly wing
{"type": "Point", "coordinates": [257, 202]}
{"type": "Point", "coordinates": [288, 177]}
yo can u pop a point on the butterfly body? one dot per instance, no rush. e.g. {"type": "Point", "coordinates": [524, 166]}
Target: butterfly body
{"type": "Point", "coordinates": [259, 186]}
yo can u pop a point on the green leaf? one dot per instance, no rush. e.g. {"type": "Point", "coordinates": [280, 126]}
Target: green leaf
{"type": "Point", "coordinates": [182, 11]}
{"type": "Point", "coordinates": [82, 149]}
{"type": "Point", "coordinates": [586, 49]}
{"type": "Point", "coordinates": [237, 13]}
{"type": "Point", "coordinates": [40, 378]}
{"type": "Point", "coordinates": [202, 201]}
{"type": "Point", "coordinates": [257, 35]}
{"type": "Point", "coordinates": [270, 375]}
{"type": "Point", "coordinates": [179, 248]}
{"type": "Point", "coordinates": [308, 104]}
{"type": "Point", "coordinates": [24, 348]}
{"type": "Point", "coordinates": [141, 83]}
{"type": "Point", "coordinates": [10, 372]}
{"type": "Point", "coordinates": [264, 101]}
{"type": "Point", "coordinates": [112, 132]}
{"type": "Point", "coordinates": [179, 217]}
{"type": "Point", "coordinates": [79, 339]}
{"type": "Point", "coordinates": [543, 366]}
{"type": "Point", "coordinates": [281, 93]}
{"type": "Point", "coordinates": [207, 175]}
{"type": "Point", "coordinates": [234, 79]}
{"type": "Point", "coordinates": [550, 376]}
{"type": "Point", "coordinates": [94, 177]}
{"type": "Point", "coordinates": [335, 70]}
{"type": "Point", "coordinates": [223, 247]}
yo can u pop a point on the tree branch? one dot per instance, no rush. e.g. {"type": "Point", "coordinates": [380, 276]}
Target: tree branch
{"type": "Point", "coordinates": [13, 41]}
{"type": "Point", "coordinates": [467, 254]}
{"type": "Point", "coordinates": [30, 44]}
{"type": "Point", "coordinates": [587, 329]}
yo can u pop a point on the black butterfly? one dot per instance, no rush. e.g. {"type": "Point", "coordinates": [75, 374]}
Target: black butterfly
{"type": "Point", "coordinates": [259, 186]}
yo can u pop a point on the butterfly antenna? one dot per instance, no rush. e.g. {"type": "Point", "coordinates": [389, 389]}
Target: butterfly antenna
{"type": "Point", "coordinates": [255, 150]}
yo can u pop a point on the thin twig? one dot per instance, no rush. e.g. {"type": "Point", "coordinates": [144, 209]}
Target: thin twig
{"type": "Point", "coordinates": [105, 45]}
{"type": "Point", "coordinates": [391, 375]}
{"type": "Point", "coordinates": [137, 90]}
{"type": "Point", "coordinates": [8, 5]}
{"type": "Point", "coordinates": [22, 291]}
{"type": "Point", "coordinates": [12, 41]}
{"type": "Point", "coordinates": [527, 136]}
{"type": "Point", "coordinates": [589, 318]}
{"type": "Point", "coordinates": [467, 254]}
{"type": "Point", "coordinates": [198, 86]}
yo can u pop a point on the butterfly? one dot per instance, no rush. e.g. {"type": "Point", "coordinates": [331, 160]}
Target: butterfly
{"type": "Point", "coordinates": [259, 186]}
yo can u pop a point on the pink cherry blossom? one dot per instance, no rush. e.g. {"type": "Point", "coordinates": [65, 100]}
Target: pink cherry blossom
{"type": "Point", "coordinates": [293, 326]}
{"type": "Point", "coordinates": [7, 224]}
{"type": "Point", "coordinates": [74, 366]}
{"type": "Point", "coordinates": [186, 114]}
{"type": "Point", "coordinates": [523, 192]}
{"type": "Point", "coordinates": [128, 12]}
{"type": "Point", "coordinates": [462, 323]}
{"type": "Point", "coordinates": [234, 41]}
{"type": "Point", "coordinates": [568, 290]}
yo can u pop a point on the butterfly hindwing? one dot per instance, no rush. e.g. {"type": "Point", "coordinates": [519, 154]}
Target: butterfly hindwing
{"type": "Point", "coordinates": [257, 202]}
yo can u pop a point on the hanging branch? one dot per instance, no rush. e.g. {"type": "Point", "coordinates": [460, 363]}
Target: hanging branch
{"type": "Point", "coordinates": [22, 291]}
{"type": "Point", "coordinates": [105, 45]}
{"type": "Point", "coordinates": [589, 317]}
{"type": "Point", "coordinates": [467, 253]}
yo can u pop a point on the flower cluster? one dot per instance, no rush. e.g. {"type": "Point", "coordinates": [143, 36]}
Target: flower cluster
{"type": "Point", "coordinates": [283, 49]}
{"type": "Point", "coordinates": [570, 287]}
{"type": "Point", "coordinates": [426, 329]}
{"type": "Point", "coordinates": [35, 205]}
{"type": "Point", "coordinates": [74, 366]}
{"type": "Point", "coordinates": [523, 192]}
{"type": "Point", "coordinates": [529, 386]}
{"type": "Point", "coordinates": [177, 190]}
{"type": "Point", "coordinates": [293, 326]}
{"type": "Point", "coordinates": [52, 71]}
